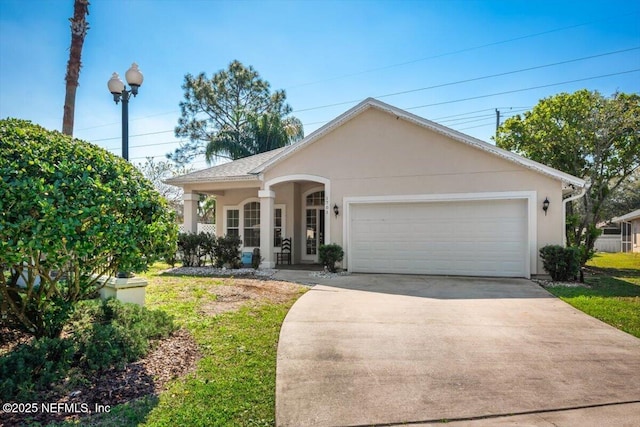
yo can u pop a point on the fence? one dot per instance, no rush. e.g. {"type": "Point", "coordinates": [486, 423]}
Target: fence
{"type": "Point", "coordinates": [202, 228]}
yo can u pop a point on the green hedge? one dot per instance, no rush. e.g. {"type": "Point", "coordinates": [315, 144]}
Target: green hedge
{"type": "Point", "coordinates": [69, 210]}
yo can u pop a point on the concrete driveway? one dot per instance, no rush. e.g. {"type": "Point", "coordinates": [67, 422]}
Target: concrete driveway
{"type": "Point", "coordinates": [390, 349]}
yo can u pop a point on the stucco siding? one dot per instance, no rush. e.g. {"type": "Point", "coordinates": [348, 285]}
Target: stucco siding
{"type": "Point", "coordinates": [376, 154]}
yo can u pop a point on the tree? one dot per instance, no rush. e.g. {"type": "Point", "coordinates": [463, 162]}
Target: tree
{"type": "Point", "coordinates": [157, 172]}
{"type": "Point", "coordinates": [79, 28]}
{"type": "Point", "coordinates": [207, 209]}
{"type": "Point", "coordinates": [69, 212]}
{"type": "Point", "coordinates": [624, 199]}
{"type": "Point", "coordinates": [225, 115]}
{"type": "Point", "coordinates": [587, 135]}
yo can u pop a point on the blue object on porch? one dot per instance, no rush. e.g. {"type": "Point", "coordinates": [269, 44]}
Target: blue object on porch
{"type": "Point", "coordinates": [246, 258]}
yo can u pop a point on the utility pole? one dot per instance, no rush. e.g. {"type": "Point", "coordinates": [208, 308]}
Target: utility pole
{"type": "Point", "coordinates": [497, 120]}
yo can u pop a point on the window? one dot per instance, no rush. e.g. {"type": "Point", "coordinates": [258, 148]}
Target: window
{"type": "Point", "coordinates": [252, 224]}
{"type": "Point", "coordinates": [277, 227]}
{"type": "Point", "coordinates": [244, 221]}
{"type": "Point", "coordinates": [315, 199]}
{"type": "Point", "coordinates": [233, 222]}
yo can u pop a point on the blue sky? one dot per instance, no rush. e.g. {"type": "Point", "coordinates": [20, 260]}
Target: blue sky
{"type": "Point", "coordinates": [321, 52]}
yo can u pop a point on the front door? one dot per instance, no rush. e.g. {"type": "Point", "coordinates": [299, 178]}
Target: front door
{"type": "Point", "coordinates": [314, 226]}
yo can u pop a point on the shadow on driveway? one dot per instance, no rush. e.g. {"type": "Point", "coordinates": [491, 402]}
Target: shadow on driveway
{"type": "Point", "coordinates": [439, 287]}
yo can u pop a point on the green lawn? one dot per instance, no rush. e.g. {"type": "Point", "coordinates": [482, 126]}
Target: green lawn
{"type": "Point", "coordinates": [613, 295]}
{"type": "Point", "coordinates": [234, 384]}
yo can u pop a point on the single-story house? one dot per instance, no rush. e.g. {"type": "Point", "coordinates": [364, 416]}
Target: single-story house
{"type": "Point", "coordinates": [399, 193]}
{"type": "Point", "coordinates": [630, 231]}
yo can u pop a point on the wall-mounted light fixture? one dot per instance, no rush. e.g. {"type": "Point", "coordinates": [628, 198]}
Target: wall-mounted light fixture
{"type": "Point", "coordinates": [336, 210]}
{"type": "Point", "coordinates": [545, 205]}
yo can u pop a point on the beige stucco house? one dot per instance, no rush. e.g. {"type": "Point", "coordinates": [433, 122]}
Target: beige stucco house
{"type": "Point", "coordinates": [630, 231]}
{"type": "Point", "coordinates": [399, 193]}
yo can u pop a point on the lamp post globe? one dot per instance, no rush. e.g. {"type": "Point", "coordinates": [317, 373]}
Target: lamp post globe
{"type": "Point", "coordinates": [134, 78]}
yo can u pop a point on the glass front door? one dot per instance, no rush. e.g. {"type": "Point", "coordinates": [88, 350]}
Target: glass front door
{"type": "Point", "coordinates": [314, 231]}
{"type": "Point", "coordinates": [314, 225]}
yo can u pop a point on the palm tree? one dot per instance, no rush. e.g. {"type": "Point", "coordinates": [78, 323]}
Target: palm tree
{"type": "Point", "coordinates": [261, 133]}
{"type": "Point", "coordinates": [79, 28]}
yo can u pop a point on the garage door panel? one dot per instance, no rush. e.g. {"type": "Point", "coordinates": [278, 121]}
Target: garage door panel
{"type": "Point", "coordinates": [487, 238]}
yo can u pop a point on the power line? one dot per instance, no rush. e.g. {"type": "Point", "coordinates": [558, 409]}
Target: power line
{"type": "Point", "coordinates": [457, 51]}
{"type": "Point", "coordinates": [132, 120]}
{"type": "Point", "coordinates": [474, 79]}
{"type": "Point", "coordinates": [448, 102]}
{"type": "Point", "coordinates": [148, 145]}
{"type": "Point", "coordinates": [477, 126]}
{"type": "Point", "coordinates": [130, 136]}
{"type": "Point", "coordinates": [525, 89]}
{"type": "Point", "coordinates": [413, 61]}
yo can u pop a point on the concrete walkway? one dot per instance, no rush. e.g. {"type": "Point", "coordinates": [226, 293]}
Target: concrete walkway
{"type": "Point", "coordinates": [390, 349]}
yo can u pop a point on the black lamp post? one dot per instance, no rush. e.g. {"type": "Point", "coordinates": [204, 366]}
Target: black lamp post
{"type": "Point", "coordinates": [120, 93]}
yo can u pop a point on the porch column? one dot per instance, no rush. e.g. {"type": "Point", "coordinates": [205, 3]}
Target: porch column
{"type": "Point", "coordinates": [266, 228]}
{"type": "Point", "coordinates": [191, 212]}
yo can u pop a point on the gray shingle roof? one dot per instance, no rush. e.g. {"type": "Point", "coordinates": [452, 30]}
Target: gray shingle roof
{"type": "Point", "coordinates": [233, 171]}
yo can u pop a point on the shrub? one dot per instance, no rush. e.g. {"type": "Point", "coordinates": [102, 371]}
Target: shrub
{"type": "Point", "coordinates": [189, 249]}
{"type": "Point", "coordinates": [100, 335]}
{"type": "Point", "coordinates": [560, 262]}
{"type": "Point", "coordinates": [70, 211]}
{"type": "Point", "coordinates": [208, 246]}
{"type": "Point", "coordinates": [330, 255]}
{"type": "Point", "coordinates": [111, 333]}
{"type": "Point", "coordinates": [194, 249]}
{"type": "Point", "coordinates": [227, 252]}
{"type": "Point", "coordinates": [33, 367]}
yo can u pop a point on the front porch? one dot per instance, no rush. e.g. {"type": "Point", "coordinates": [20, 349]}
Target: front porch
{"type": "Point", "coordinates": [295, 208]}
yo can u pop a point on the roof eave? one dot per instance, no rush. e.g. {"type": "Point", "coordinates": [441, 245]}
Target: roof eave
{"type": "Point", "coordinates": [628, 217]}
{"type": "Point", "coordinates": [178, 182]}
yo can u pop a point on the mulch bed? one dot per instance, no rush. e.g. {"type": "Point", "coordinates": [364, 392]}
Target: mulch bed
{"type": "Point", "coordinates": [173, 357]}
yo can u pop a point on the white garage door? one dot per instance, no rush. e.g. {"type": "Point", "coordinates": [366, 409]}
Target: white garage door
{"type": "Point", "coordinates": [469, 238]}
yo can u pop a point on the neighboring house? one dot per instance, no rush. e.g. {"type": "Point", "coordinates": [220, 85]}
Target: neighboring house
{"type": "Point", "coordinates": [630, 224]}
{"type": "Point", "coordinates": [399, 193]}
{"type": "Point", "coordinates": [611, 238]}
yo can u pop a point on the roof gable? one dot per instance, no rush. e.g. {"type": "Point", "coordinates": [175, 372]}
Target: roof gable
{"type": "Point", "coordinates": [412, 118]}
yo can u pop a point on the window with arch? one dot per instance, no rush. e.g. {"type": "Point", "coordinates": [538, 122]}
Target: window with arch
{"type": "Point", "coordinates": [315, 199]}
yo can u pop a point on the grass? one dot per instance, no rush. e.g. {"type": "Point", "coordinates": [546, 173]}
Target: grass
{"type": "Point", "coordinates": [613, 295]}
{"type": "Point", "coordinates": [234, 384]}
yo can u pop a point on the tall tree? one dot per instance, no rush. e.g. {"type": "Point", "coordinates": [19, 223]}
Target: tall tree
{"type": "Point", "coordinates": [157, 172]}
{"type": "Point", "coordinates": [79, 28]}
{"type": "Point", "coordinates": [221, 115]}
{"type": "Point", "coordinates": [587, 135]}
{"type": "Point", "coordinates": [264, 132]}
{"type": "Point", "coordinates": [624, 199]}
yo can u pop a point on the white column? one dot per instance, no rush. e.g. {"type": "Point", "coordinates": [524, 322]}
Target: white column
{"type": "Point", "coordinates": [191, 212]}
{"type": "Point", "coordinates": [267, 198]}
